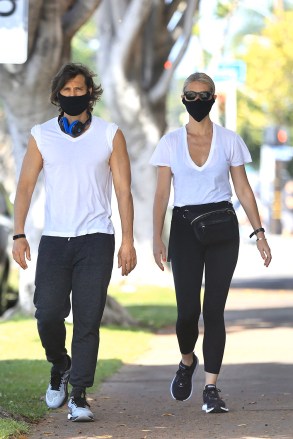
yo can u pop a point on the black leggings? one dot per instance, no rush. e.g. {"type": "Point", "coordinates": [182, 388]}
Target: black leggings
{"type": "Point", "coordinates": [189, 258]}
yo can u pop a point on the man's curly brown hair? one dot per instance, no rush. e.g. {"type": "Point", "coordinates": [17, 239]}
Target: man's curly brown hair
{"type": "Point", "coordinates": [70, 71]}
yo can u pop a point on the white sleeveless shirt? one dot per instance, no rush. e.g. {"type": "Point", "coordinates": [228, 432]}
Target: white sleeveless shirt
{"type": "Point", "coordinates": [209, 183]}
{"type": "Point", "coordinates": [77, 178]}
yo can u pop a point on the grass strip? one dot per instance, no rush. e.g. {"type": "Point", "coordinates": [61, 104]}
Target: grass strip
{"type": "Point", "coordinates": [25, 372]}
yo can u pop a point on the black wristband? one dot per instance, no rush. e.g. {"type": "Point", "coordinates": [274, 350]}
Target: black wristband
{"type": "Point", "coordinates": [255, 232]}
{"type": "Point", "coordinates": [21, 235]}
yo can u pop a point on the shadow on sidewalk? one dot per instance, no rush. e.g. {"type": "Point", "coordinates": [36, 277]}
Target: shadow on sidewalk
{"type": "Point", "coordinates": [239, 320]}
{"type": "Point", "coordinates": [259, 318]}
{"type": "Point", "coordinates": [270, 283]}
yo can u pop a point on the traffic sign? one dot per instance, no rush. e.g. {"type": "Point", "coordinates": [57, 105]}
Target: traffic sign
{"type": "Point", "coordinates": [231, 70]}
{"type": "Point", "coordinates": [13, 31]}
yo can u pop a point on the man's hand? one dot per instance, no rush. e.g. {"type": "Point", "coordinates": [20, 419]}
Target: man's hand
{"type": "Point", "coordinates": [126, 258]}
{"type": "Point", "coordinates": [21, 252]}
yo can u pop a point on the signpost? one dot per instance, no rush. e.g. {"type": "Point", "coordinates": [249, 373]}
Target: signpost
{"type": "Point", "coordinates": [273, 160]}
{"type": "Point", "coordinates": [227, 77]}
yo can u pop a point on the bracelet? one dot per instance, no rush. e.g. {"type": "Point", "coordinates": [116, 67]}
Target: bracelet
{"type": "Point", "coordinates": [261, 229]}
{"type": "Point", "coordinates": [260, 239]}
{"type": "Point", "coordinates": [21, 235]}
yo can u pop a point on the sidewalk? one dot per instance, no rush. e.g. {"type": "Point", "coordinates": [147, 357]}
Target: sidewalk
{"type": "Point", "coordinates": [256, 382]}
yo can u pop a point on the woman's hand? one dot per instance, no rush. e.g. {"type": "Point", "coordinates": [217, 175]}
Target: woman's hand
{"type": "Point", "coordinates": [159, 250]}
{"type": "Point", "coordinates": [264, 250]}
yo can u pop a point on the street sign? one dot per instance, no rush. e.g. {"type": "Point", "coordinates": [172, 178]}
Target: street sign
{"type": "Point", "coordinates": [232, 70]}
{"type": "Point", "coordinates": [13, 31]}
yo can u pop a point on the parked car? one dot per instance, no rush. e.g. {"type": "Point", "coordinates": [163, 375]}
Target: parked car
{"type": "Point", "coordinates": [8, 298]}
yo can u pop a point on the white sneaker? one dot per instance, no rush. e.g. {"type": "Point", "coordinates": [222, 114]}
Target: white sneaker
{"type": "Point", "coordinates": [57, 393]}
{"type": "Point", "coordinates": [79, 410]}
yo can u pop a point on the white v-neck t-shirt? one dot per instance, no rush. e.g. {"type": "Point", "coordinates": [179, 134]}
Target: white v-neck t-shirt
{"type": "Point", "coordinates": [209, 183]}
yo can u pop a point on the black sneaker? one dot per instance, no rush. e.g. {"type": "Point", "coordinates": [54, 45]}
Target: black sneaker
{"type": "Point", "coordinates": [181, 386]}
{"type": "Point", "coordinates": [212, 403]}
{"type": "Point", "coordinates": [57, 392]}
{"type": "Point", "coordinates": [79, 409]}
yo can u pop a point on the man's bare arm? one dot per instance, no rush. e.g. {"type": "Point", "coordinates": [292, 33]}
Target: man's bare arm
{"type": "Point", "coordinates": [31, 167]}
{"type": "Point", "coordinates": [120, 168]}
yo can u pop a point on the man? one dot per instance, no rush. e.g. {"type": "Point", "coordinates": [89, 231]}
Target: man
{"type": "Point", "coordinates": [80, 156]}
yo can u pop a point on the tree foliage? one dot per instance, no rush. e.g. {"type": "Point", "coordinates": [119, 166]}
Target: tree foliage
{"type": "Point", "coordinates": [269, 60]}
{"type": "Point", "coordinates": [265, 99]}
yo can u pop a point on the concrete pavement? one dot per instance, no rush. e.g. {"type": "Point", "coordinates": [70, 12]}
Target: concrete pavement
{"type": "Point", "coordinates": [250, 271]}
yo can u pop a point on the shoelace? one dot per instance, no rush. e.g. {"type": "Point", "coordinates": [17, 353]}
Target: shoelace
{"type": "Point", "coordinates": [182, 376]}
{"type": "Point", "coordinates": [56, 380]}
{"type": "Point", "coordinates": [213, 392]}
{"type": "Point", "coordinates": [80, 401]}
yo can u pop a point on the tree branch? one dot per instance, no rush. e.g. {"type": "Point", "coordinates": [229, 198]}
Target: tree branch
{"type": "Point", "coordinates": [117, 12]}
{"type": "Point", "coordinates": [77, 15]}
{"type": "Point", "coordinates": [134, 16]}
{"type": "Point", "coordinates": [161, 87]}
{"type": "Point", "coordinates": [48, 43]}
{"type": "Point", "coordinates": [104, 17]}
{"type": "Point", "coordinates": [171, 8]}
{"type": "Point", "coordinates": [66, 5]}
{"type": "Point", "coordinates": [35, 10]}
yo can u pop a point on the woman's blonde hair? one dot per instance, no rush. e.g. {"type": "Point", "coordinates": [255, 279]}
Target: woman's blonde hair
{"type": "Point", "coordinates": [200, 77]}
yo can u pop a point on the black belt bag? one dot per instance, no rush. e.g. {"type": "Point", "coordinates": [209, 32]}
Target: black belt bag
{"type": "Point", "coordinates": [213, 227]}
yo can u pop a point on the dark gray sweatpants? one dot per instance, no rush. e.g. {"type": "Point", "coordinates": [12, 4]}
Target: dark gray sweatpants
{"type": "Point", "coordinates": [81, 265]}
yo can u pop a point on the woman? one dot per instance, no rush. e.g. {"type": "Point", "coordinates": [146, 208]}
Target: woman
{"type": "Point", "coordinates": [199, 157]}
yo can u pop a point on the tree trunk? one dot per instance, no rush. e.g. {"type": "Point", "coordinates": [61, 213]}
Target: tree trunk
{"type": "Point", "coordinates": [26, 99]}
{"type": "Point", "coordinates": [136, 64]}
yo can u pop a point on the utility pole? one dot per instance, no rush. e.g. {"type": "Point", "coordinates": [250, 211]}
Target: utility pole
{"type": "Point", "coordinates": [276, 223]}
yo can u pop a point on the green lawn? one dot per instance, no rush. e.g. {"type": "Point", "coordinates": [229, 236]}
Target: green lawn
{"type": "Point", "coordinates": [153, 307]}
{"type": "Point", "coordinates": [25, 372]}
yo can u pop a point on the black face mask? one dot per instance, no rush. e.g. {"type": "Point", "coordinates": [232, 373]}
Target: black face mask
{"type": "Point", "coordinates": [74, 105]}
{"type": "Point", "coordinates": [198, 109]}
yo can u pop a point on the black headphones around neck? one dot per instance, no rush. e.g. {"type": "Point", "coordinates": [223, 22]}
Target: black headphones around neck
{"type": "Point", "coordinates": [76, 128]}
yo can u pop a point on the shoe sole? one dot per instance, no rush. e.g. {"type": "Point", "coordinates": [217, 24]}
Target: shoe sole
{"type": "Point", "coordinates": [186, 399]}
{"type": "Point", "coordinates": [81, 418]}
{"type": "Point", "coordinates": [214, 409]}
